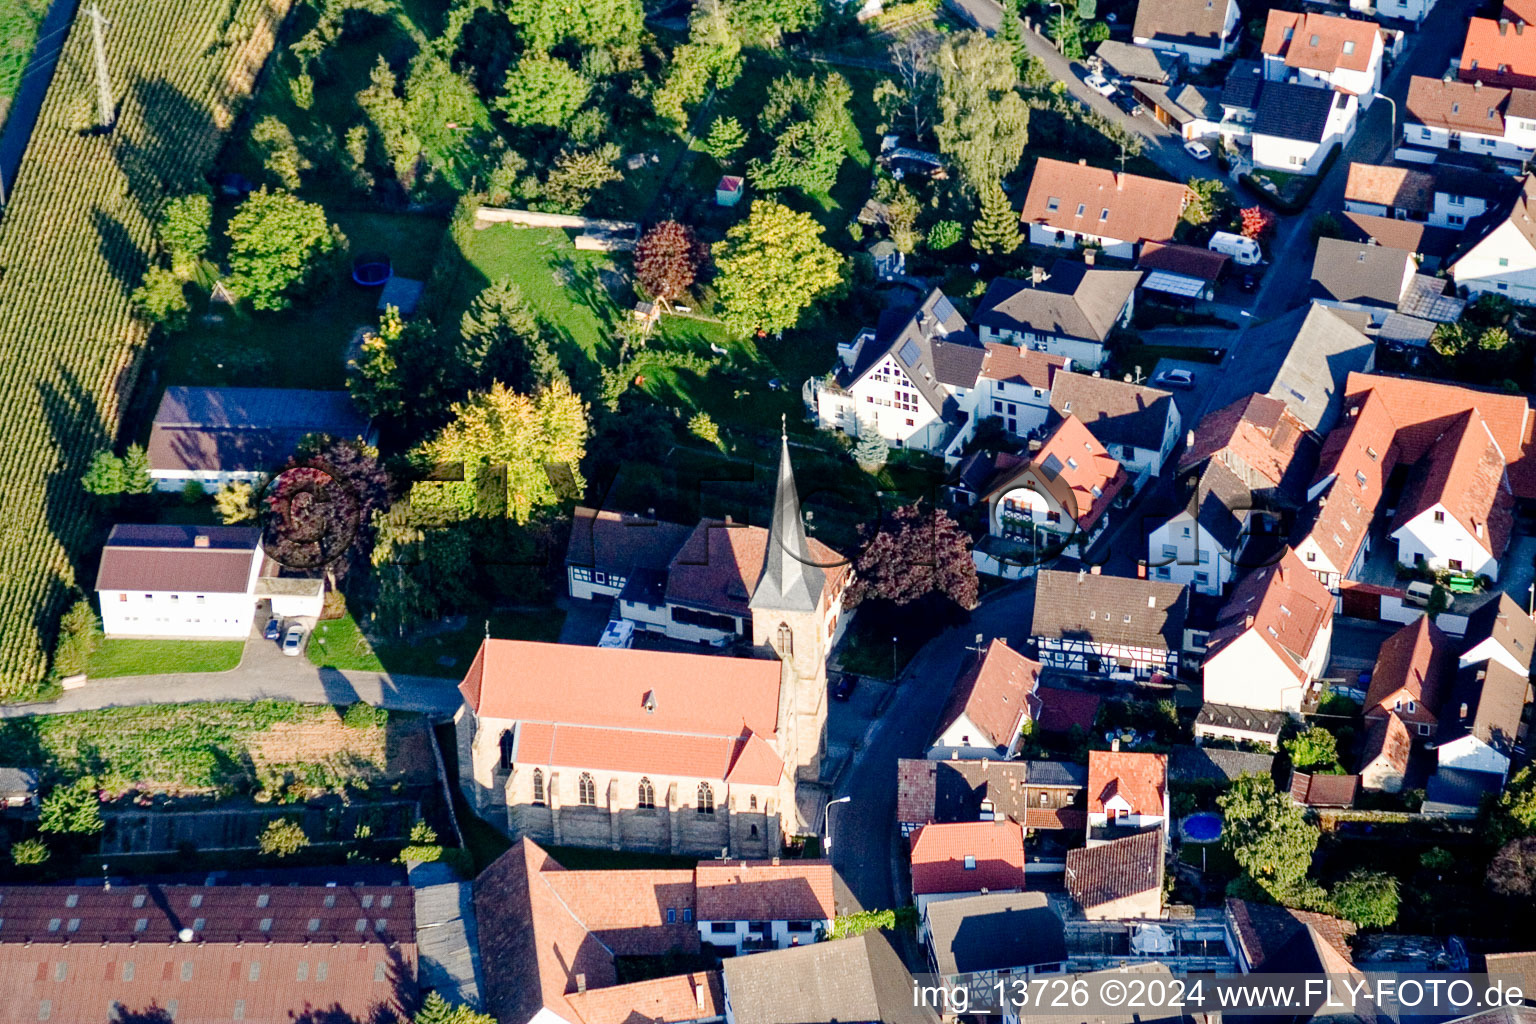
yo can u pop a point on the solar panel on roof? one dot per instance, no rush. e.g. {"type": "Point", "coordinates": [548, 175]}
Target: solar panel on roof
{"type": "Point", "coordinates": [1052, 466]}
{"type": "Point", "coordinates": [909, 352]}
{"type": "Point", "coordinates": [1173, 284]}
{"type": "Point", "coordinates": [943, 309]}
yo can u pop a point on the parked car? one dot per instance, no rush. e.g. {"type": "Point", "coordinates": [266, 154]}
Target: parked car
{"type": "Point", "coordinates": [293, 642]}
{"type": "Point", "coordinates": [1101, 85]}
{"type": "Point", "coordinates": [274, 629]}
{"type": "Point", "coordinates": [1198, 150]}
{"type": "Point", "coordinates": [618, 633]}
{"type": "Point", "coordinates": [1182, 380]}
{"type": "Point", "coordinates": [843, 688]}
{"type": "Point", "coordinates": [1250, 282]}
{"type": "Point", "coordinates": [1126, 102]}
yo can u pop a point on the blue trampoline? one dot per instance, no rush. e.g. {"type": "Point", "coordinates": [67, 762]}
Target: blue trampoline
{"type": "Point", "coordinates": [1204, 827]}
{"type": "Point", "coordinates": [371, 270]}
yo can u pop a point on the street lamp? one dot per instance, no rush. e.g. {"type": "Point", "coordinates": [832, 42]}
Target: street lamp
{"type": "Point", "coordinates": [1378, 94]}
{"type": "Point", "coordinates": [895, 668]}
{"type": "Point", "coordinates": [827, 818]}
{"type": "Point", "coordinates": [1060, 25]}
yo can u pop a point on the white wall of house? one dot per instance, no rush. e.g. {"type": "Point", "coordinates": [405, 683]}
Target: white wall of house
{"type": "Point", "coordinates": [1021, 407]}
{"type": "Point", "coordinates": [1105, 659]}
{"type": "Point", "coordinates": [1248, 673]}
{"type": "Point", "coordinates": [735, 935]}
{"type": "Point", "coordinates": [1472, 754]}
{"type": "Point", "coordinates": [1438, 539]}
{"type": "Point", "coordinates": [588, 584]}
{"type": "Point", "coordinates": [964, 740]}
{"type": "Point", "coordinates": [1123, 815]}
{"type": "Point", "coordinates": [291, 606]}
{"type": "Point", "coordinates": [1453, 210]}
{"type": "Point", "coordinates": [1084, 352]}
{"type": "Point", "coordinates": [1408, 10]}
{"type": "Point", "coordinates": [1181, 551]}
{"type": "Point", "coordinates": [1490, 649]}
{"type": "Point", "coordinates": [1300, 157]}
{"type": "Point", "coordinates": [211, 479]}
{"type": "Point", "coordinates": [1516, 144]}
{"type": "Point", "coordinates": [1043, 234]}
{"type": "Point", "coordinates": [181, 613]}
{"type": "Point", "coordinates": [1503, 263]}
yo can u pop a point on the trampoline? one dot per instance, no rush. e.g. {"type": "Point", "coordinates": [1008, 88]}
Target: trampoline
{"type": "Point", "coordinates": [371, 270]}
{"type": "Point", "coordinates": [1203, 827]}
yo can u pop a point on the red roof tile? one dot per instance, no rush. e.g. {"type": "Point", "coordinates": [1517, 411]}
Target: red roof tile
{"type": "Point", "coordinates": [1061, 709]}
{"type": "Point", "coordinates": [1386, 740]}
{"type": "Point", "coordinates": [1189, 260]}
{"type": "Point", "coordinates": [1257, 438]}
{"type": "Point", "coordinates": [1014, 364]}
{"type": "Point", "coordinates": [719, 566]}
{"type": "Point", "coordinates": [1115, 870]}
{"type": "Point", "coordinates": [1072, 818]}
{"type": "Point", "coordinates": [1085, 466]}
{"type": "Point", "coordinates": [1139, 209]}
{"type": "Point", "coordinates": [993, 693]}
{"type": "Point", "coordinates": [1499, 53]}
{"type": "Point", "coordinates": [1410, 666]}
{"type": "Point", "coordinates": [940, 853]}
{"type": "Point", "coordinates": [1463, 473]}
{"type": "Point", "coordinates": [1141, 780]}
{"type": "Point", "coordinates": [765, 891]}
{"type": "Point", "coordinates": [680, 997]}
{"type": "Point", "coordinates": [1324, 790]}
{"type": "Point", "coordinates": [1317, 42]}
{"type": "Point", "coordinates": [1284, 604]}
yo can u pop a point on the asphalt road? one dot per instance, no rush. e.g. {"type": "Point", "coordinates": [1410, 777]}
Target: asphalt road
{"type": "Point", "coordinates": [28, 101]}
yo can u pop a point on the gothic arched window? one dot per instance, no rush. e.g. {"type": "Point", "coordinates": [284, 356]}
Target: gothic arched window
{"type": "Point", "coordinates": [706, 803]}
{"type": "Point", "coordinates": [647, 794]}
{"type": "Point", "coordinates": [538, 785]}
{"type": "Point", "coordinates": [586, 790]}
{"type": "Point", "coordinates": [786, 640]}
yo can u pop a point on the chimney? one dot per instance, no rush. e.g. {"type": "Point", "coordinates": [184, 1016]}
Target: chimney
{"type": "Point", "coordinates": [1463, 709]}
{"type": "Point", "coordinates": [698, 995]}
{"type": "Point", "coordinates": [1280, 571]}
{"type": "Point", "coordinates": [1036, 275]}
{"type": "Point", "coordinates": [1477, 84]}
{"type": "Point", "coordinates": [1082, 161]}
{"type": "Point", "coordinates": [200, 541]}
{"type": "Point", "coordinates": [727, 520]}
{"type": "Point", "coordinates": [1095, 569]}
{"type": "Point", "coordinates": [1247, 621]}
{"type": "Point", "coordinates": [1089, 255]}
{"type": "Point", "coordinates": [1114, 745]}
{"type": "Point", "coordinates": [1080, 574]}
{"type": "Point", "coordinates": [1503, 26]}
{"type": "Point", "coordinates": [581, 983]}
{"type": "Point", "coordinates": [1519, 28]}
{"type": "Point", "coordinates": [775, 862]}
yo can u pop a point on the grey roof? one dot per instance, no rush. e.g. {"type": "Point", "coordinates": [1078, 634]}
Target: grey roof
{"type": "Point", "coordinates": [954, 790]}
{"type": "Point", "coordinates": [1109, 609]}
{"type": "Point", "coordinates": [447, 946]}
{"type": "Point", "coordinates": [1218, 500]}
{"type": "Point", "coordinates": [791, 581]}
{"type": "Point", "coordinates": [1426, 298]}
{"type": "Point", "coordinates": [1502, 619]}
{"type": "Point", "coordinates": [995, 932]}
{"type": "Point", "coordinates": [1290, 111]}
{"type": "Point", "coordinates": [1181, 22]}
{"type": "Point", "coordinates": [1241, 89]}
{"type": "Point", "coordinates": [1406, 330]}
{"type": "Point", "coordinates": [1461, 787]}
{"type": "Point", "coordinates": [242, 429]}
{"type": "Point", "coordinates": [1494, 697]}
{"type": "Point", "coordinates": [1228, 716]}
{"type": "Point", "coordinates": [860, 979]}
{"type": "Point", "coordinates": [1057, 773]}
{"type": "Point", "coordinates": [1075, 300]}
{"type": "Point", "coordinates": [18, 782]}
{"type": "Point", "coordinates": [1370, 275]}
{"type": "Point", "coordinates": [1113, 411]}
{"type": "Point", "coordinates": [1184, 103]}
{"type": "Point", "coordinates": [1139, 62]}
{"type": "Point", "coordinates": [1200, 764]}
{"type": "Point", "coordinates": [1302, 358]}
{"type": "Point", "coordinates": [932, 344]}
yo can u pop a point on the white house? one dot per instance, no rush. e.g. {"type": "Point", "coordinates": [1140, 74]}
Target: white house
{"type": "Point", "coordinates": [1137, 425]}
{"type": "Point", "coordinates": [1457, 511]}
{"type": "Point", "coordinates": [750, 905]}
{"type": "Point", "coordinates": [1199, 545]}
{"type": "Point", "coordinates": [216, 436]}
{"type": "Point", "coordinates": [1499, 631]}
{"type": "Point", "coordinates": [1113, 626]}
{"type": "Point", "coordinates": [956, 859]}
{"type": "Point", "coordinates": [1502, 261]}
{"type": "Point", "coordinates": [1480, 727]}
{"type": "Point", "coordinates": [1324, 51]}
{"type": "Point", "coordinates": [1074, 205]}
{"type": "Point", "coordinates": [606, 548]}
{"type": "Point", "coordinates": [1204, 31]}
{"type": "Point", "coordinates": [1126, 791]}
{"type": "Point", "coordinates": [1272, 639]}
{"type": "Point", "coordinates": [1451, 115]}
{"type": "Point", "coordinates": [1015, 386]}
{"type": "Point", "coordinates": [1068, 312]}
{"type": "Point", "coordinates": [1295, 127]}
{"type": "Point", "coordinates": [193, 582]}
{"type": "Point", "coordinates": [992, 701]}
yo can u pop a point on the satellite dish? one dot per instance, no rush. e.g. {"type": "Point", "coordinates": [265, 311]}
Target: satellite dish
{"type": "Point", "coordinates": [186, 935]}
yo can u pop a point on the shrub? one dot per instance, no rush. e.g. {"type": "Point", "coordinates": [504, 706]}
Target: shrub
{"type": "Point", "coordinates": [944, 234]}
{"type": "Point", "coordinates": [29, 852]}
{"type": "Point", "coordinates": [703, 426]}
{"type": "Point", "coordinates": [363, 715]}
{"type": "Point", "coordinates": [72, 810]}
{"type": "Point", "coordinates": [283, 837]}
{"type": "Point", "coordinates": [79, 638]}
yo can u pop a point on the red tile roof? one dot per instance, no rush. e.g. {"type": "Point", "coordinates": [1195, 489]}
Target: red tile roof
{"type": "Point", "coordinates": [1499, 53]}
{"type": "Point", "coordinates": [1139, 209]}
{"type": "Point", "coordinates": [1072, 818]}
{"type": "Point", "coordinates": [1013, 364]}
{"type": "Point", "coordinates": [1463, 473]}
{"type": "Point", "coordinates": [627, 909]}
{"type": "Point", "coordinates": [1411, 665]}
{"type": "Point", "coordinates": [1189, 260]}
{"type": "Point", "coordinates": [765, 891]}
{"type": "Point", "coordinates": [680, 997]}
{"type": "Point", "coordinates": [1141, 780]}
{"type": "Point", "coordinates": [1257, 436]}
{"type": "Point", "coordinates": [719, 565]}
{"type": "Point", "coordinates": [1357, 458]}
{"type": "Point", "coordinates": [1284, 604]}
{"type": "Point", "coordinates": [940, 852]}
{"type": "Point", "coordinates": [1085, 466]}
{"type": "Point", "coordinates": [1061, 709]}
{"type": "Point", "coordinates": [1324, 790]}
{"type": "Point", "coordinates": [1317, 42]}
{"type": "Point", "coordinates": [993, 692]}
{"type": "Point", "coordinates": [1267, 936]}
{"type": "Point", "coordinates": [1115, 870]}
{"type": "Point", "coordinates": [1455, 106]}
{"type": "Point", "coordinates": [1387, 740]}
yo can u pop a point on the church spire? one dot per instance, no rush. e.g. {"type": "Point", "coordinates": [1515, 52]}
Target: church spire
{"type": "Point", "coordinates": [790, 580]}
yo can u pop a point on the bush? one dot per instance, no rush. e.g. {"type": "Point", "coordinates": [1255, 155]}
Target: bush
{"type": "Point", "coordinates": [703, 426]}
{"type": "Point", "coordinates": [72, 810]}
{"type": "Point", "coordinates": [944, 235]}
{"type": "Point", "coordinates": [1368, 898]}
{"type": "Point", "coordinates": [362, 715]}
{"type": "Point", "coordinates": [423, 833]}
{"type": "Point", "coordinates": [283, 837]}
{"type": "Point", "coordinates": [848, 926]}
{"type": "Point", "coordinates": [79, 638]}
{"type": "Point", "coordinates": [29, 852]}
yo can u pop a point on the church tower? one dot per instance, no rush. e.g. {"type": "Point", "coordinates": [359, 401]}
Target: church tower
{"type": "Point", "coordinates": [792, 608]}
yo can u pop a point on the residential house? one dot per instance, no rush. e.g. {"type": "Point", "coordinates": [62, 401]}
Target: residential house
{"type": "Point", "coordinates": [1127, 793]}
{"type": "Point", "coordinates": [1181, 273]}
{"type": "Point", "coordinates": [1059, 499]}
{"type": "Point", "coordinates": [217, 436]}
{"type": "Point", "coordinates": [1067, 312]}
{"type": "Point", "coordinates": [1402, 193]}
{"type": "Point", "coordinates": [1446, 115]}
{"type": "Point", "coordinates": [1481, 731]}
{"type": "Point", "coordinates": [1111, 626]}
{"type": "Point", "coordinates": [1498, 52]}
{"type": "Point", "coordinates": [19, 788]}
{"type": "Point", "coordinates": [1190, 111]}
{"type": "Point", "coordinates": [1456, 512]}
{"type": "Point", "coordinates": [607, 547]}
{"type": "Point", "coordinates": [1014, 386]}
{"type": "Point", "coordinates": [1499, 630]}
{"type": "Point", "coordinates": [1137, 425]}
{"type": "Point", "coordinates": [1296, 127]}
{"type": "Point", "coordinates": [857, 979]}
{"type": "Point", "coordinates": [1278, 940]}
{"type": "Point", "coordinates": [1203, 31]}
{"type": "Point", "coordinates": [550, 942]}
{"type": "Point", "coordinates": [1074, 204]}
{"type": "Point", "coordinates": [266, 953]}
{"type": "Point", "coordinates": [989, 707]}
{"type": "Point", "coordinates": [1324, 51]}
{"type": "Point", "coordinates": [965, 859]}
{"type": "Point", "coordinates": [1118, 880]}
{"type": "Point", "coordinates": [1318, 790]}
{"type": "Point", "coordinates": [1368, 278]}
{"type": "Point", "coordinates": [191, 582]}
{"type": "Point", "coordinates": [995, 939]}
{"type": "Point", "coordinates": [1203, 528]}
{"type": "Point", "coordinates": [1406, 10]}
{"type": "Point", "coordinates": [1272, 640]}
{"type": "Point", "coordinates": [1499, 255]}
{"type": "Point", "coordinates": [1240, 724]}
{"type": "Point", "coordinates": [1040, 795]}
{"type": "Point", "coordinates": [1140, 63]}
{"type": "Point", "coordinates": [1430, 246]}
{"type": "Point", "coordinates": [1411, 672]}
{"type": "Point", "coordinates": [747, 906]}
{"type": "Point", "coordinates": [1240, 98]}
{"type": "Point", "coordinates": [1303, 358]}
{"type": "Point", "coordinates": [1056, 792]}
{"type": "Point", "coordinates": [1384, 754]}
{"type": "Point", "coordinates": [972, 479]}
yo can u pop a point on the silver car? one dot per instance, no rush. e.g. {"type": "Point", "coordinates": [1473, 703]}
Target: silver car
{"type": "Point", "coordinates": [293, 641]}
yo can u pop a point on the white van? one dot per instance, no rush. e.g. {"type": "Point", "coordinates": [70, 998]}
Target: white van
{"type": "Point", "coordinates": [1245, 252]}
{"type": "Point", "coordinates": [1419, 593]}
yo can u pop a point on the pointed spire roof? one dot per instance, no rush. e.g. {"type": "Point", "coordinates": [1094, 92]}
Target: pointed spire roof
{"type": "Point", "coordinates": [791, 581]}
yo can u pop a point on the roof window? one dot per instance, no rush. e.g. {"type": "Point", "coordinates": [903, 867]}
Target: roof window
{"type": "Point", "coordinates": [1053, 204]}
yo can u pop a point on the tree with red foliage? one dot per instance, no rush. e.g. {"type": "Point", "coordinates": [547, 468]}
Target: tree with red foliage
{"type": "Point", "coordinates": [916, 553]}
{"type": "Point", "coordinates": [1257, 222]}
{"type": "Point", "coordinates": [668, 258]}
{"type": "Point", "coordinates": [317, 512]}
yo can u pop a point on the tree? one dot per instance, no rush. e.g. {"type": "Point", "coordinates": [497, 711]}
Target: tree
{"type": "Point", "coordinates": [277, 243]}
{"type": "Point", "coordinates": [726, 137]}
{"type": "Point", "coordinates": [590, 24]}
{"type": "Point", "coordinates": [104, 478]}
{"type": "Point", "coordinates": [235, 503]}
{"type": "Point", "coordinates": [1011, 32]}
{"type": "Point", "coordinates": [983, 121]}
{"type": "Point", "coordinates": [772, 266]}
{"type": "Point", "coordinates": [703, 426]}
{"type": "Point", "coordinates": [668, 258]}
{"type": "Point", "coordinates": [1315, 747]}
{"type": "Point", "coordinates": [445, 113]}
{"type": "Point", "coordinates": [1268, 835]}
{"type": "Point", "coordinates": [29, 853]}
{"type": "Point", "coordinates": [1513, 870]}
{"type": "Point", "coordinates": [1450, 340]}
{"type": "Point", "coordinates": [578, 174]}
{"type": "Point", "coordinates": [542, 90]}
{"type": "Point", "coordinates": [319, 508]}
{"type": "Point", "coordinates": [437, 1010]}
{"type": "Point", "coordinates": [764, 21]}
{"type": "Point", "coordinates": [996, 230]}
{"type": "Point", "coordinates": [911, 94]}
{"type": "Point", "coordinates": [407, 373]}
{"type": "Point", "coordinates": [1257, 222]}
{"type": "Point", "coordinates": [283, 837]}
{"type": "Point", "coordinates": [1067, 32]}
{"type": "Point", "coordinates": [710, 59]}
{"type": "Point", "coordinates": [901, 214]}
{"type": "Point", "coordinates": [1494, 339]}
{"type": "Point", "coordinates": [162, 299]}
{"type": "Point", "coordinates": [79, 638]}
{"type": "Point", "coordinates": [420, 575]}
{"type": "Point", "coordinates": [386, 111]}
{"type": "Point", "coordinates": [870, 451]}
{"type": "Point", "coordinates": [944, 235]}
{"type": "Point", "coordinates": [279, 152]}
{"type": "Point", "coordinates": [182, 228]}
{"type": "Point", "coordinates": [72, 809]}
{"type": "Point", "coordinates": [136, 478]}
{"type": "Point", "coordinates": [808, 120]}
{"type": "Point", "coordinates": [501, 339]}
{"type": "Point", "coordinates": [518, 454]}
{"type": "Point", "coordinates": [1368, 898]}
{"type": "Point", "coordinates": [1210, 201]}
{"type": "Point", "coordinates": [916, 553]}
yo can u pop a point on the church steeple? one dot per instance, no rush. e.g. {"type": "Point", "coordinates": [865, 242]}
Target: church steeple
{"type": "Point", "coordinates": [790, 580]}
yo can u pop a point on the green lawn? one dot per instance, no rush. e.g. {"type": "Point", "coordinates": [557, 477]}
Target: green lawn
{"type": "Point", "coordinates": [338, 643]}
{"type": "Point", "coordinates": [18, 32]}
{"type": "Point", "coordinates": [118, 657]}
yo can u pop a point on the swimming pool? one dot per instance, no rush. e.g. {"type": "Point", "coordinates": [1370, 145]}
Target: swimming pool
{"type": "Point", "coordinates": [1202, 828]}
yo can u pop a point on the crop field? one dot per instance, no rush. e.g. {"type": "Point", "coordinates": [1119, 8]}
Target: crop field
{"type": "Point", "coordinates": [74, 242]}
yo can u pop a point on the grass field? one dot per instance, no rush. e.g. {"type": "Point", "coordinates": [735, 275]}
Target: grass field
{"type": "Point", "coordinates": [339, 643]}
{"type": "Point", "coordinates": [18, 33]}
{"type": "Point", "coordinates": [118, 657]}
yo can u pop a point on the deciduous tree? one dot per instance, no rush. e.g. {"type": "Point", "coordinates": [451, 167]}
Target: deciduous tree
{"type": "Point", "coordinates": [72, 809]}
{"type": "Point", "coordinates": [277, 247]}
{"type": "Point", "coordinates": [772, 266]}
{"type": "Point", "coordinates": [182, 228]}
{"type": "Point", "coordinates": [420, 575]}
{"type": "Point", "coordinates": [589, 24]}
{"type": "Point", "coordinates": [808, 120]}
{"type": "Point", "coordinates": [543, 90]}
{"type": "Point", "coordinates": [1268, 835]}
{"type": "Point", "coordinates": [79, 638]}
{"type": "Point", "coordinates": [1314, 747]}
{"type": "Point", "coordinates": [668, 258]}
{"type": "Point", "coordinates": [1257, 222]}
{"type": "Point", "coordinates": [162, 299]}
{"type": "Point", "coordinates": [283, 837]}
{"type": "Point", "coordinates": [983, 121]}
{"type": "Point", "coordinates": [386, 111]}
{"type": "Point", "coordinates": [916, 552]}
{"type": "Point", "coordinates": [235, 502]}
{"type": "Point", "coordinates": [279, 152]}
{"type": "Point", "coordinates": [104, 477]}
{"type": "Point", "coordinates": [29, 853]}
{"type": "Point", "coordinates": [1513, 870]}
{"type": "Point", "coordinates": [764, 21]}
{"type": "Point", "coordinates": [1368, 898]}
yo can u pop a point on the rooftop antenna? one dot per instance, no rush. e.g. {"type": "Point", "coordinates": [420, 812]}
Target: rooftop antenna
{"type": "Point", "coordinates": [1122, 156]}
{"type": "Point", "coordinates": [104, 103]}
{"type": "Point", "coordinates": [487, 629]}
